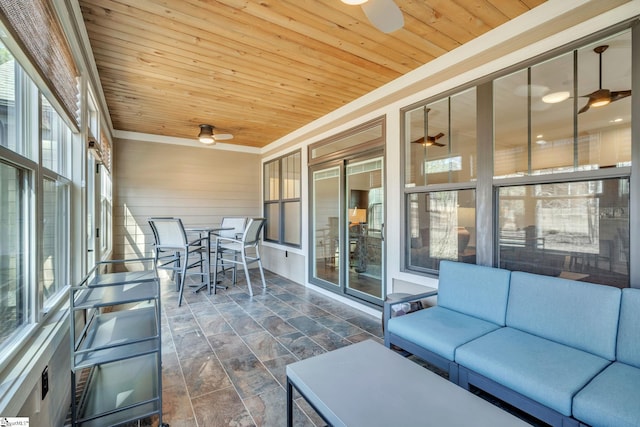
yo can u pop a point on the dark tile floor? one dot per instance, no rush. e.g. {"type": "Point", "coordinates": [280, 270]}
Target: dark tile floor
{"type": "Point", "coordinates": [224, 355]}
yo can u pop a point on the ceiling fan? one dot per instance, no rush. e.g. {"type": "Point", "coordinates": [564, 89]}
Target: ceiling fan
{"type": "Point", "coordinates": [206, 135]}
{"type": "Point", "coordinates": [602, 96]}
{"type": "Point", "coordinates": [431, 140]}
{"type": "Point", "coordinates": [385, 15]}
{"type": "Point", "coordinates": [427, 140]}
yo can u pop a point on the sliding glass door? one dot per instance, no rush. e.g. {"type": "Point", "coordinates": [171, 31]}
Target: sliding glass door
{"type": "Point", "coordinates": [347, 232]}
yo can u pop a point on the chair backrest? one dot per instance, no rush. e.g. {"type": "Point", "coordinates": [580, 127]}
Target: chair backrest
{"type": "Point", "coordinates": [251, 234]}
{"type": "Point", "coordinates": [237, 223]}
{"type": "Point", "coordinates": [168, 232]}
{"type": "Point", "coordinates": [578, 314]}
{"type": "Point", "coordinates": [476, 290]}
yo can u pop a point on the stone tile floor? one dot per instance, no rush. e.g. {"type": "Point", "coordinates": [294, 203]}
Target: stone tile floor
{"type": "Point", "coordinates": [224, 355]}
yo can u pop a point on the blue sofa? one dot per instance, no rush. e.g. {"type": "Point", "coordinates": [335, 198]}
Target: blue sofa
{"type": "Point", "coordinates": [563, 351]}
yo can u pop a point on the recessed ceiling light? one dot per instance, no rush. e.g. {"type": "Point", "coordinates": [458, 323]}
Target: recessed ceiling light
{"type": "Point", "coordinates": [539, 136]}
{"type": "Point", "coordinates": [555, 97]}
{"type": "Point", "coordinates": [354, 2]}
{"type": "Point", "coordinates": [618, 120]}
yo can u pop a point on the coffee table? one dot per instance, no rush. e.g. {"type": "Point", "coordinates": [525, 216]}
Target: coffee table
{"type": "Point", "coordinates": [368, 385]}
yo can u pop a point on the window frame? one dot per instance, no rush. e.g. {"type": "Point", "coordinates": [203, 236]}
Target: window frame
{"type": "Point", "coordinates": [487, 186]}
{"type": "Point", "coordinates": [280, 202]}
{"type": "Point", "coordinates": [26, 155]}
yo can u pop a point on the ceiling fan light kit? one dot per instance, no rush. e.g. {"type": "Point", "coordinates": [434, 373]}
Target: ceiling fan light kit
{"type": "Point", "coordinates": [206, 134]}
{"type": "Point", "coordinates": [556, 97]}
{"type": "Point", "coordinates": [354, 2]}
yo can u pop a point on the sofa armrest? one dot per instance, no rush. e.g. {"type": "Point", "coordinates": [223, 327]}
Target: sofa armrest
{"type": "Point", "coordinates": [386, 313]}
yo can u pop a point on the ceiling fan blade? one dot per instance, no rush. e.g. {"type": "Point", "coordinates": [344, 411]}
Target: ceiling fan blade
{"type": "Point", "coordinates": [585, 108]}
{"type": "Point", "coordinates": [418, 141]}
{"type": "Point", "coordinates": [222, 136]}
{"type": "Point", "coordinates": [619, 94]}
{"type": "Point", "coordinates": [437, 144]}
{"type": "Point", "coordinates": [385, 15]}
{"type": "Point", "coordinates": [438, 136]}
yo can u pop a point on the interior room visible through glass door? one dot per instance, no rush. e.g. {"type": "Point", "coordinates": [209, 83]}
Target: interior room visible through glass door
{"type": "Point", "coordinates": [326, 225]}
{"type": "Point", "coordinates": [365, 227]}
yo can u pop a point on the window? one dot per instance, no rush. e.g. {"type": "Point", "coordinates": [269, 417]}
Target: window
{"type": "Point", "coordinates": [56, 140]}
{"type": "Point", "coordinates": [442, 226]}
{"type": "Point", "coordinates": [535, 108]}
{"type": "Point", "coordinates": [17, 132]}
{"type": "Point", "coordinates": [55, 238]}
{"type": "Point", "coordinates": [576, 226]}
{"type": "Point", "coordinates": [448, 153]}
{"type": "Point", "coordinates": [576, 230]}
{"type": "Point", "coordinates": [35, 203]}
{"type": "Point", "coordinates": [105, 210]}
{"type": "Point", "coordinates": [440, 151]}
{"type": "Point", "coordinates": [14, 257]}
{"type": "Point", "coordinates": [554, 195]}
{"type": "Point", "coordinates": [282, 205]}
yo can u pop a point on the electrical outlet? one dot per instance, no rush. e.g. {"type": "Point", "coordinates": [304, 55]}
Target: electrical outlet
{"type": "Point", "coordinates": [45, 382]}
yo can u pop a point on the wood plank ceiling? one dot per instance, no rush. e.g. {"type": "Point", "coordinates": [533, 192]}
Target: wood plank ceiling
{"type": "Point", "coordinates": [260, 69]}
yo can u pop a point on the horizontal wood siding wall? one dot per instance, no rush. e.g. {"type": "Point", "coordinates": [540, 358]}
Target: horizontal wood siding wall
{"type": "Point", "coordinates": [198, 185]}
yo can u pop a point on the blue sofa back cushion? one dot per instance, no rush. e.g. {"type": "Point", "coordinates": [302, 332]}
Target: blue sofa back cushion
{"type": "Point", "coordinates": [628, 350]}
{"type": "Point", "coordinates": [475, 290]}
{"type": "Point", "coordinates": [577, 314]}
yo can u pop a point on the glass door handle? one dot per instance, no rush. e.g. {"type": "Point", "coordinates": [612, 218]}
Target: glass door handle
{"type": "Point", "coordinates": [382, 231]}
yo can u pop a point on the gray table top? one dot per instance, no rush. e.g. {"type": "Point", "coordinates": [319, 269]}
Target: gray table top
{"type": "Point", "coordinates": [368, 385]}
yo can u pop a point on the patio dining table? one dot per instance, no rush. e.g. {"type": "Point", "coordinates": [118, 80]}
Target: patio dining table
{"type": "Point", "coordinates": [206, 232]}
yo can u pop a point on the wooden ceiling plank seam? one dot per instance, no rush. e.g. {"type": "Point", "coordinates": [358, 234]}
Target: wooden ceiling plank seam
{"type": "Point", "coordinates": [212, 94]}
{"type": "Point", "coordinates": [291, 113]}
{"type": "Point", "coordinates": [121, 30]}
{"type": "Point", "coordinates": [485, 11]}
{"type": "Point", "coordinates": [510, 9]}
{"type": "Point", "coordinates": [220, 92]}
{"type": "Point", "coordinates": [231, 108]}
{"type": "Point", "coordinates": [259, 35]}
{"type": "Point", "coordinates": [422, 20]}
{"type": "Point", "coordinates": [225, 120]}
{"type": "Point", "coordinates": [296, 85]}
{"type": "Point", "coordinates": [462, 19]}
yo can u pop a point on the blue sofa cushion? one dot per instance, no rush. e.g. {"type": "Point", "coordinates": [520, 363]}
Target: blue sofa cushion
{"type": "Point", "coordinates": [475, 290]}
{"type": "Point", "coordinates": [545, 371]}
{"type": "Point", "coordinates": [439, 330]}
{"type": "Point", "coordinates": [628, 331]}
{"type": "Point", "coordinates": [578, 314]}
{"type": "Point", "coordinates": [611, 399]}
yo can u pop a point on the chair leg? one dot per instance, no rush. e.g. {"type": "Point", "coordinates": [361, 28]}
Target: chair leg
{"type": "Point", "coordinates": [180, 275]}
{"type": "Point", "coordinates": [264, 282]}
{"type": "Point", "coordinates": [207, 269]}
{"type": "Point", "coordinates": [246, 271]}
{"type": "Point", "coordinates": [215, 274]}
{"type": "Point", "coordinates": [183, 275]}
{"type": "Point", "coordinates": [235, 267]}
